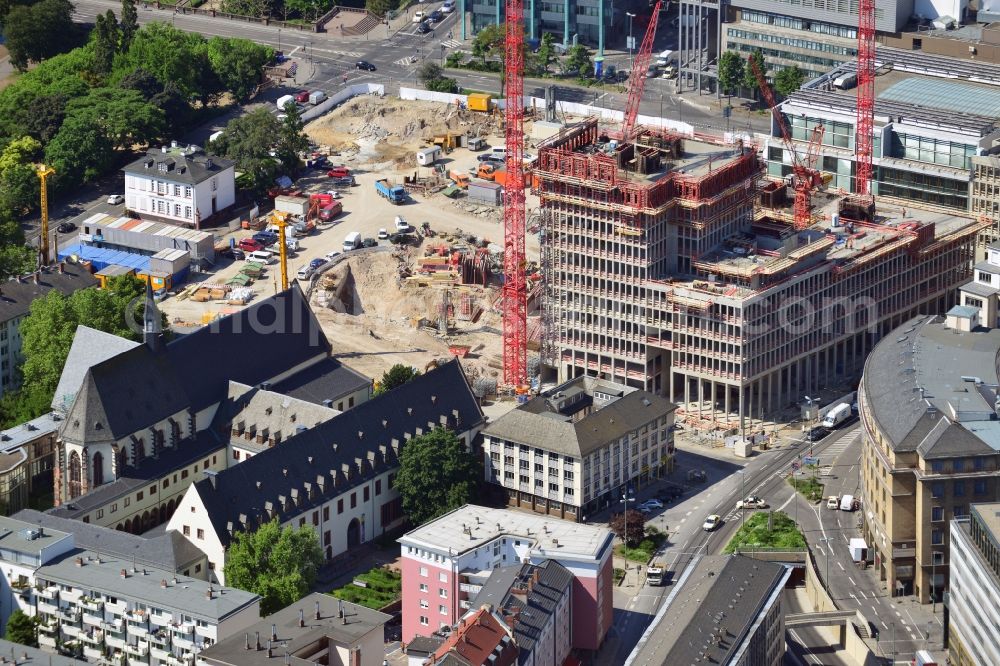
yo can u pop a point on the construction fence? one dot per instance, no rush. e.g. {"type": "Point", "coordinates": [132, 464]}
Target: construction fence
{"type": "Point", "coordinates": [341, 97]}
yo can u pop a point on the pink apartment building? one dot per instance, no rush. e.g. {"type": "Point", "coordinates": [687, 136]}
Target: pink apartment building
{"type": "Point", "coordinates": [446, 562]}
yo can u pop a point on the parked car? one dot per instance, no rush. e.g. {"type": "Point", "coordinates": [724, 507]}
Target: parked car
{"type": "Point", "coordinates": [66, 227]}
{"type": "Point", "coordinates": [423, 28]}
{"type": "Point", "coordinates": [833, 502]}
{"type": "Point", "coordinates": [266, 238]}
{"type": "Point", "coordinates": [317, 262]}
{"type": "Point", "coordinates": [697, 475]}
{"type": "Point", "coordinates": [234, 253]}
{"type": "Point", "coordinates": [383, 234]}
{"type": "Point", "coordinates": [490, 157]}
{"type": "Point", "coordinates": [671, 492]}
{"type": "Point", "coordinates": [331, 255]}
{"type": "Point", "coordinates": [650, 505]}
{"type": "Point", "coordinates": [751, 502]}
{"type": "Point", "coordinates": [250, 245]}
{"type": "Point", "coordinates": [116, 199]}
{"type": "Point", "coordinates": [305, 272]}
{"type": "Point", "coordinates": [448, 7]}
{"type": "Point", "coordinates": [344, 181]}
{"type": "Point", "coordinates": [365, 65]}
{"type": "Point", "coordinates": [418, 17]}
{"type": "Point", "coordinates": [436, 15]}
{"type": "Point", "coordinates": [711, 522]}
{"type": "Point", "coordinates": [369, 242]}
{"type": "Point", "coordinates": [302, 96]}
{"type": "Point", "coordinates": [817, 433]}
{"type": "Point", "coordinates": [338, 172]}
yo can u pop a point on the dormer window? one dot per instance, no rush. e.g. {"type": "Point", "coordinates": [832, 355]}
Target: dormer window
{"type": "Point", "coordinates": [162, 166]}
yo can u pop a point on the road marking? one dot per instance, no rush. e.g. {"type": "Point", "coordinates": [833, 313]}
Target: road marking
{"type": "Point", "coordinates": [853, 584]}
{"type": "Point", "coordinates": [689, 513]}
{"type": "Point", "coordinates": [841, 566]}
{"type": "Point", "coordinates": [292, 52]}
{"type": "Point", "coordinates": [862, 593]}
{"type": "Point", "coordinates": [856, 600]}
{"type": "Point", "coordinates": [838, 523]}
{"type": "Point", "coordinates": [874, 610]}
{"type": "Point", "coordinates": [884, 625]}
{"type": "Point", "coordinates": [452, 43]}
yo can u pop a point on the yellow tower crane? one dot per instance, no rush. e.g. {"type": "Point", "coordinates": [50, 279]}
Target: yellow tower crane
{"type": "Point", "coordinates": [43, 241]}
{"type": "Point", "coordinates": [281, 221]}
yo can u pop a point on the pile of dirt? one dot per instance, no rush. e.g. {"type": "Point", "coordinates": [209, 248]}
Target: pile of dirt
{"type": "Point", "coordinates": [390, 130]}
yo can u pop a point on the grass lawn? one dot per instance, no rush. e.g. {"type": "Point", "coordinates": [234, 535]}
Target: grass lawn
{"type": "Point", "coordinates": [646, 548]}
{"type": "Point", "coordinates": [785, 533]}
{"type": "Point", "coordinates": [383, 586]}
{"type": "Point", "coordinates": [810, 487]}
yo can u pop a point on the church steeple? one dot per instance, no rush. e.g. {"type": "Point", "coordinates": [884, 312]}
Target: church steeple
{"type": "Point", "coordinates": [152, 328]}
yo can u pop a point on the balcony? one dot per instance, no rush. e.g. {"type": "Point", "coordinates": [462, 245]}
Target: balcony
{"type": "Point", "coordinates": [48, 627]}
{"type": "Point", "coordinates": [161, 619]}
{"type": "Point", "coordinates": [47, 607]}
{"type": "Point", "coordinates": [45, 640]}
{"type": "Point", "coordinates": [161, 638]}
{"type": "Point", "coordinates": [159, 653]}
{"type": "Point", "coordinates": [92, 638]}
{"type": "Point", "coordinates": [469, 588]}
{"type": "Point", "coordinates": [182, 628]}
{"type": "Point", "coordinates": [183, 643]}
{"type": "Point", "coordinates": [138, 630]}
{"type": "Point", "coordinates": [71, 630]}
{"type": "Point", "coordinates": [137, 650]}
{"type": "Point", "coordinates": [206, 631]}
{"type": "Point", "coordinates": [49, 592]}
{"type": "Point", "coordinates": [93, 654]}
{"type": "Point", "coordinates": [69, 615]}
{"type": "Point", "coordinates": [114, 642]}
{"type": "Point", "coordinates": [91, 604]}
{"type": "Point", "coordinates": [898, 553]}
{"type": "Point", "coordinates": [96, 620]}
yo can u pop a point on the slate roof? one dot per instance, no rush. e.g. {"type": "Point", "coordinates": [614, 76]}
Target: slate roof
{"type": "Point", "coordinates": [16, 295]}
{"type": "Point", "coordinates": [422, 646]}
{"type": "Point", "coordinates": [303, 644]}
{"type": "Point", "coordinates": [525, 602]}
{"type": "Point", "coordinates": [327, 380]}
{"type": "Point", "coordinates": [246, 490]}
{"type": "Point", "coordinates": [182, 166]}
{"type": "Point", "coordinates": [721, 592]}
{"type": "Point", "coordinates": [538, 423]}
{"type": "Point", "coordinates": [137, 387]}
{"type": "Point", "coordinates": [89, 348]}
{"type": "Point", "coordinates": [275, 416]}
{"type": "Point", "coordinates": [919, 385]}
{"type": "Point", "coordinates": [256, 344]}
{"type": "Point", "coordinates": [979, 289]}
{"type": "Point", "coordinates": [169, 551]}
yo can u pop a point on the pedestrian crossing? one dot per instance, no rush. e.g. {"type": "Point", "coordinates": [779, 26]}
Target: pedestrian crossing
{"type": "Point", "coordinates": [830, 454]}
{"type": "Point", "coordinates": [403, 62]}
{"type": "Point", "coordinates": [451, 43]}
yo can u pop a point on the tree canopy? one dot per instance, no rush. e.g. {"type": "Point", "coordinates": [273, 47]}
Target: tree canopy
{"type": "Point", "coordinates": [636, 524]}
{"type": "Point", "coordinates": [395, 376]}
{"type": "Point", "coordinates": [749, 78]}
{"type": "Point", "coordinates": [788, 80]}
{"type": "Point", "coordinates": [262, 146]}
{"type": "Point", "coordinates": [437, 474]}
{"type": "Point", "coordinates": [730, 72]}
{"type": "Point", "coordinates": [279, 564]}
{"type": "Point", "coordinates": [579, 60]}
{"type": "Point", "coordinates": [22, 628]}
{"type": "Point", "coordinates": [34, 32]}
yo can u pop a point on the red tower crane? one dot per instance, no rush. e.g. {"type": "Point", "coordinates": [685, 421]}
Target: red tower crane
{"type": "Point", "coordinates": [515, 288]}
{"type": "Point", "coordinates": [866, 96]}
{"type": "Point", "coordinates": [637, 79]}
{"type": "Point", "coordinates": [806, 175]}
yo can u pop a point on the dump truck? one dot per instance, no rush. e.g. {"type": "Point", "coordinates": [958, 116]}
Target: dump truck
{"type": "Point", "coordinates": [656, 573]}
{"type": "Point", "coordinates": [460, 177]}
{"type": "Point", "coordinates": [394, 193]}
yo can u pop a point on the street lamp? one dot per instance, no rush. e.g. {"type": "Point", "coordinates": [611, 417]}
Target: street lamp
{"type": "Point", "coordinates": [743, 495]}
{"type": "Point", "coordinates": [829, 552]}
{"type": "Point", "coordinates": [661, 110]}
{"type": "Point", "coordinates": [279, 39]}
{"type": "Point", "coordinates": [443, 47]}
{"type": "Point", "coordinates": [630, 16]}
{"type": "Point", "coordinates": [625, 500]}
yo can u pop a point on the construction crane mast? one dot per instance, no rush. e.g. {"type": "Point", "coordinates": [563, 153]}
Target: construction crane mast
{"type": "Point", "coordinates": [806, 176]}
{"type": "Point", "coordinates": [281, 221]}
{"type": "Point", "coordinates": [637, 78]}
{"type": "Point", "coordinates": [43, 240]}
{"type": "Point", "coordinates": [864, 125]}
{"type": "Point", "coordinates": [515, 288]}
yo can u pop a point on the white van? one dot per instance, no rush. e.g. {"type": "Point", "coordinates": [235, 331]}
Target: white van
{"type": "Point", "coordinates": [261, 257]}
{"type": "Point", "coordinates": [305, 272]}
{"type": "Point", "coordinates": [448, 7]}
{"type": "Point", "coordinates": [847, 503]}
{"type": "Point", "coordinates": [352, 241]}
{"type": "Point", "coordinates": [499, 152]}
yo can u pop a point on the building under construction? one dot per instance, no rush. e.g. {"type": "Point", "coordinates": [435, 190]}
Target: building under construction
{"type": "Point", "coordinates": [662, 273]}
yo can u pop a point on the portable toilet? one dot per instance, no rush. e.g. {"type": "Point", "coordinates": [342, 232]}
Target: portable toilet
{"type": "Point", "coordinates": [428, 156]}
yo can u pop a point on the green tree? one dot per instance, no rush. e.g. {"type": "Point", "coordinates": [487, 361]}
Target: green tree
{"type": "Point", "coordinates": [379, 7]}
{"type": "Point", "coordinates": [35, 32]}
{"type": "Point", "coordinates": [489, 41]}
{"type": "Point", "coordinates": [249, 140]}
{"type": "Point", "coordinates": [16, 258]}
{"type": "Point", "coordinates": [279, 564]}
{"type": "Point", "coordinates": [636, 526]}
{"type": "Point", "coordinates": [546, 51]}
{"type": "Point", "coordinates": [292, 140]}
{"type": "Point", "coordinates": [80, 152]}
{"type": "Point", "coordinates": [579, 60]}
{"type": "Point", "coordinates": [730, 72]}
{"type": "Point", "coordinates": [123, 115]}
{"type": "Point", "coordinates": [788, 80]}
{"type": "Point", "coordinates": [309, 10]}
{"type": "Point", "coordinates": [47, 332]}
{"type": "Point", "coordinates": [18, 181]}
{"type": "Point", "coordinates": [436, 474]}
{"type": "Point", "coordinates": [239, 64]}
{"type": "Point", "coordinates": [454, 59]}
{"type": "Point", "coordinates": [749, 78]}
{"type": "Point", "coordinates": [395, 376]}
{"type": "Point", "coordinates": [170, 55]}
{"type": "Point", "coordinates": [429, 71]}
{"type": "Point", "coordinates": [105, 40]}
{"type": "Point", "coordinates": [45, 116]}
{"type": "Point", "coordinates": [129, 25]}
{"type": "Point", "coordinates": [22, 629]}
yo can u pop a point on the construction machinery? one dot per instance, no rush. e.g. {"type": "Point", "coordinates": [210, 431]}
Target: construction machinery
{"type": "Point", "coordinates": [805, 175]}
{"type": "Point", "coordinates": [637, 78]}
{"type": "Point", "coordinates": [515, 286]}
{"type": "Point", "coordinates": [43, 240]}
{"type": "Point", "coordinates": [280, 220]}
{"type": "Point", "coordinates": [866, 96]}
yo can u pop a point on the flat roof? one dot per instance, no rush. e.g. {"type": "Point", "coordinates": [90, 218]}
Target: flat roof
{"type": "Point", "coordinates": [956, 96]}
{"type": "Point", "coordinates": [989, 515]}
{"type": "Point", "coordinates": [472, 526]}
{"type": "Point", "coordinates": [183, 594]}
{"type": "Point", "coordinates": [29, 431]}
{"type": "Point", "coordinates": [722, 595]}
{"type": "Point", "coordinates": [14, 535]}
{"type": "Point", "coordinates": [338, 621]}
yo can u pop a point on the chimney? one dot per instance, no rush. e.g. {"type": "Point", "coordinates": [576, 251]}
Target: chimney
{"type": "Point", "coordinates": [340, 609]}
{"type": "Point", "coordinates": [274, 632]}
{"type": "Point", "coordinates": [208, 593]}
{"type": "Point", "coordinates": [302, 618]}
{"type": "Point", "coordinates": [256, 640]}
{"type": "Point", "coordinates": [124, 573]}
{"type": "Point", "coordinates": [260, 437]}
{"type": "Point", "coordinates": [269, 649]}
{"type": "Point", "coordinates": [246, 636]}
{"type": "Point", "coordinates": [328, 403]}
{"type": "Point", "coordinates": [163, 583]}
{"type": "Point", "coordinates": [79, 561]}
{"type": "Point", "coordinates": [316, 612]}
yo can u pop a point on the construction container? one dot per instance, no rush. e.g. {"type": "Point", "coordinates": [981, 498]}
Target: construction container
{"type": "Point", "coordinates": [145, 237]}
{"type": "Point", "coordinates": [428, 156]}
{"type": "Point", "coordinates": [543, 129]}
{"type": "Point", "coordinates": [170, 262]}
{"type": "Point", "coordinates": [113, 270]}
{"type": "Point", "coordinates": [480, 101]}
{"type": "Point", "coordinates": [290, 204]}
{"type": "Point", "coordinates": [485, 192]}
